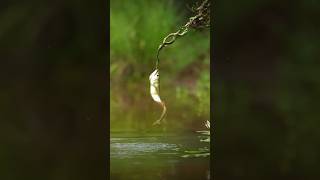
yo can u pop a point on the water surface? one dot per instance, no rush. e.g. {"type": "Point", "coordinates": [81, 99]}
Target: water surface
{"type": "Point", "coordinates": [157, 157]}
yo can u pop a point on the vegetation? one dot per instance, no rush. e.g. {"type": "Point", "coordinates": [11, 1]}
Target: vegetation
{"type": "Point", "coordinates": [137, 29]}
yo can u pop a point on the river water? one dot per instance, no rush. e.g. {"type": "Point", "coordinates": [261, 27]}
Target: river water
{"type": "Point", "coordinates": [158, 157]}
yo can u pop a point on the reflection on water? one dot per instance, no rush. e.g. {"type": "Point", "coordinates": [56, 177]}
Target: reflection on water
{"type": "Point", "coordinates": [127, 150]}
{"type": "Point", "coordinates": [156, 157]}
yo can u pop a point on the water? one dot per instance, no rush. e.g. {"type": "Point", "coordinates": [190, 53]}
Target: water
{"type": "Point", "coordinates": [157, 157]}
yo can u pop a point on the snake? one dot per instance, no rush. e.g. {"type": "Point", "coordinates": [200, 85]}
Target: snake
{"type": "Point", "coordinates": [154, 77]}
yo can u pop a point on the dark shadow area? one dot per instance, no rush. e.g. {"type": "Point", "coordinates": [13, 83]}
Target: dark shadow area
{"type": "Point", "coordinates": [266, 89]}
{"type": "Point", "coordinates": [53, 90]}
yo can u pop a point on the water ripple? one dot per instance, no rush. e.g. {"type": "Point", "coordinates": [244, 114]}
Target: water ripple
{"type": "Point", "coordinates": [125, 150]}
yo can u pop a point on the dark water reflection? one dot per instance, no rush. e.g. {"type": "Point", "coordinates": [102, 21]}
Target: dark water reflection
{"type": "Point", "coordinates": [155, 156]}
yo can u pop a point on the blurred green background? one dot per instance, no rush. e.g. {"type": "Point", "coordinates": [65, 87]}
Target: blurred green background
{"type": "Point", "coordinates": [266, 89]}
{"type": "Point", "coordinates": [136, 30]}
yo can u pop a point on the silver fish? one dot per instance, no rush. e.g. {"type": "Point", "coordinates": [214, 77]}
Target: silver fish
{"type": "Point", "coordinates": [155, 93]}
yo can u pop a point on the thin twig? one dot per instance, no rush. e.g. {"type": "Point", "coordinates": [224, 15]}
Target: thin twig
{"type": "Point", "coordinates": [200, 20]}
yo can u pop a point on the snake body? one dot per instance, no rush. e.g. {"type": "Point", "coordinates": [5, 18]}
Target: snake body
{"type": "Point", "coordinates": [154, 76]}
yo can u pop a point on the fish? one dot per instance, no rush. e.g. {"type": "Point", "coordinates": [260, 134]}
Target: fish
{"type": "Point", "coordinates": [155, 94]}
{"type": "Point", "coordinates": [207, 124]}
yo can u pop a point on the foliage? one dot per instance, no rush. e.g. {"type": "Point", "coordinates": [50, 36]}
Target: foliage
{"type": "Point", "coordinates": [204, 151]}
{"type": "Point", "coordinates": [137, 29]}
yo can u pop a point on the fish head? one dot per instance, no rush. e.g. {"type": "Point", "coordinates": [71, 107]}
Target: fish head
{"type": "Point", "coordinates": [154, 76]}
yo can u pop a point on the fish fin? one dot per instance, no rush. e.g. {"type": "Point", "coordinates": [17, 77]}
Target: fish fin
{"type": "Point", "coordinates": [157, 122]}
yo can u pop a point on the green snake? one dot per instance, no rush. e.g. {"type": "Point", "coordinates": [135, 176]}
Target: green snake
{"type": "Point", "coordinates": [154, 77]}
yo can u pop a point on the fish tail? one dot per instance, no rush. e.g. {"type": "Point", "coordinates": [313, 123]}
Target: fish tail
{"type": "Point", "coordinates": [164, 111]}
